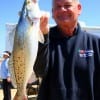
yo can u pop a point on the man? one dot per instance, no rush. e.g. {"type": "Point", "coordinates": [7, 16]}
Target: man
{"type": "Point", "coordinates": [69, 62]}
{"type": "Point", "coordinates": [5, 75]}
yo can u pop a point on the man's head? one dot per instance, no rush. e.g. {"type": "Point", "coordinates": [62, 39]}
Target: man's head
{"type": "Point", "coordinates": [6, 54]}
{"type": "Point", "coordinates": [66, 12]}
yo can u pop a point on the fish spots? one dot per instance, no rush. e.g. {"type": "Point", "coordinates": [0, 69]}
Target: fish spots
{"type": "Point", "coordinates": [19, 65]}
{"type": "Point", "coordinates": [25, 45]}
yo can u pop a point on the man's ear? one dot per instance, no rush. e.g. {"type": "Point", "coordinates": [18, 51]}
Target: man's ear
{"type": "Point", "coordinates": [79, 9]}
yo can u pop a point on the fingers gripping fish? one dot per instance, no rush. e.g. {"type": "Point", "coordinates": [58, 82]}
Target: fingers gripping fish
{"type": "Point", "coordinates": [27, 35]}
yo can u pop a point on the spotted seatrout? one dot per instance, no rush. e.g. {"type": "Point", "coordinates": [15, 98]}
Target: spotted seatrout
{"type": "Point", "coordinates": [24, 53]}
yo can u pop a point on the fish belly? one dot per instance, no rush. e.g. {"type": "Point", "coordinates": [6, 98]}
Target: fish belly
{"type": "Point", "coordinates": [24, 55]}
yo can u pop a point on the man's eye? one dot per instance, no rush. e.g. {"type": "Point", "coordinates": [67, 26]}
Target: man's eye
{"type": "Point", "coordinates": [64, 6]}
{"type": "Point", "coordinates": [67, 6]}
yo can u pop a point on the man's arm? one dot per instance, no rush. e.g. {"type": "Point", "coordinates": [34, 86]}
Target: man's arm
{"type": "Point", "coordinates": [41, 64]}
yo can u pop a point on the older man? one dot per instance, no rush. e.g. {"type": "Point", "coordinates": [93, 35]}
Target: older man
{"type": "Point", "coordinates": [70, 61]}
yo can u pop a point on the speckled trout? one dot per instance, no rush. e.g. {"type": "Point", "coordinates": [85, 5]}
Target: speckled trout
{"type": "Point", "coordinates": [25, 47]}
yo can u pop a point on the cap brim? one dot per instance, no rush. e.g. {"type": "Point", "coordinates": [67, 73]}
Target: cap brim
{"type": "Point", "coordinates": [5, 54]}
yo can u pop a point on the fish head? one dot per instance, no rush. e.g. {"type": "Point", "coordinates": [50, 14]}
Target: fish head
{"type": "Point", "coordinates": [33, 10]}
{"type": "Point", "coordinates": [30, 19]}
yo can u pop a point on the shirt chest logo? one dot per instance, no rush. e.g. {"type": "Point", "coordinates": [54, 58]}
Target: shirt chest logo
{"type": "Point", "coordinates": [86, 53]}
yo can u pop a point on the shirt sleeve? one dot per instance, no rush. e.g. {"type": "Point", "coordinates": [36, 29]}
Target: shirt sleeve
{"type": "Point", "coordinates": [41, 64]}
{"type": "Point", "coordinates": [8, 72]}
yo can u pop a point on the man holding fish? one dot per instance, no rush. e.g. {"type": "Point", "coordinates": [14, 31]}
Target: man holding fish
{"type": "Point", "coordinates": [68, 59]}
{"type": "Point", "coordinates": [69, 62]}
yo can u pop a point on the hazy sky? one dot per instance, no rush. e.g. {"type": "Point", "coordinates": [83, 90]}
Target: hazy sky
{"type": "Point", "coordinates": [9, 14]}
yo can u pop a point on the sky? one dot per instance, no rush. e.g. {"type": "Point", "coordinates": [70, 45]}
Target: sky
{"type": "Point", "coordinates": [9, 14]}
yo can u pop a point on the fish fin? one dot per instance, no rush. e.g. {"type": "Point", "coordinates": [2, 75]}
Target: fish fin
{"type": "Point", "coordinates": [11, 69]}
{"type": "Point", "coordinates": [40, 37]}
{"type": "Point", "coordinates": [10, 36]}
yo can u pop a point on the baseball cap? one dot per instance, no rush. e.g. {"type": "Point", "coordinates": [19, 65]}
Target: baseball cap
{"type": "Point", "coordinates": [6, 53]}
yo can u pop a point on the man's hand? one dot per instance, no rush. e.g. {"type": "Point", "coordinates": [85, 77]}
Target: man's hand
{"type": "Point", "coordinates": [44, 22]}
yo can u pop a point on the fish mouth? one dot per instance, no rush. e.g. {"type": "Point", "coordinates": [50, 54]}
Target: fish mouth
{"type": "Point", "coordinates": [33, 20]}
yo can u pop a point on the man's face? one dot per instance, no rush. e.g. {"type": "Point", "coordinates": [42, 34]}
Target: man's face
{"type": "Point", "coordinates": [5, 56]}
{"type": "Point", "coordinates": [66, 11]}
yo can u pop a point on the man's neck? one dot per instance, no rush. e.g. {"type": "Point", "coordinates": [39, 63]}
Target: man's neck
{"type": "Point", "coordinates": [68, 30]}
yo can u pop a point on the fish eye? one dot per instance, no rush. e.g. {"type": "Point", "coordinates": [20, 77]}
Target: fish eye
{"type": "Point", "coordinates": [28, 2]}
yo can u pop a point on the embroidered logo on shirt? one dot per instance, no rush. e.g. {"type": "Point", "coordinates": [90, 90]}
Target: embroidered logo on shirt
{"type": "Point", "coordinates": [86, 53]}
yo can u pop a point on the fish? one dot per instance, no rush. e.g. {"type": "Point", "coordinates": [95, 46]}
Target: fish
{"type": "Point", "coordinates": [25, 47]}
